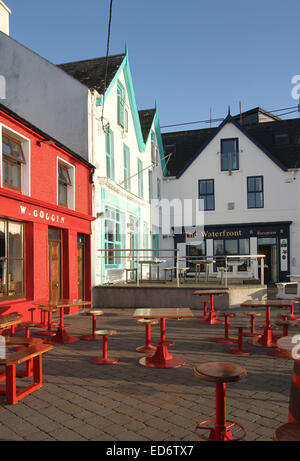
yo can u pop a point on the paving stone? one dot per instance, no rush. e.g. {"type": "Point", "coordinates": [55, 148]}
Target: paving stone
{"type": "Point", "coordinates": [79, 401]}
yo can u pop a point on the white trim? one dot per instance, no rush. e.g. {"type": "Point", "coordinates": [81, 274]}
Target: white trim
{"type": "Point", "coordinates": [71, 189]}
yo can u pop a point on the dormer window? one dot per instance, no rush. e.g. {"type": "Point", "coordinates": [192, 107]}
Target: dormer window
{"type": "Point", "coordinates": [229, 154]}
{"type": "Point", "coordinates": [64, 182]}
{"type": "Point", "coordinates": [12, 160]}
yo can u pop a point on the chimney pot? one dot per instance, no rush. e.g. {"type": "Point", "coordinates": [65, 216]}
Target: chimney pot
{"type": "Point", "coordinates": [4, 18]}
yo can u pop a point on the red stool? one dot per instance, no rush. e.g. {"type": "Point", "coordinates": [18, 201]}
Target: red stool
{"type": "Point", "coordinates": [27, 326]}
{"type": "Point", "coordinates": [226, 339]}
{"type": "Point", "coordinates": [220, 373]}
{"type": "Point", "coordinates": [50, 324]}
{"type": "Point", "coordinates": [285, 324]}
{"type": "Point", "coordinates": [93, 337]}
{"type": "Point", "coordinates": [31, 310]}
{"type": "Point", "coordinates": [283, 316]}
{"type": "Point", "coordinates": [205, 313]}
{"type": "Point", "coordinates": [289, 432]}
{"type": "Point", "coordinates": [43, 323]}
{"type": "Point", "coordinates": [104, 360]}
{"type": "Point", "coordinates": [252, 316]}
{"type": "Point", "coordinates": [239, 350]}
{"type": "Point", "coordinates": [148, 346]}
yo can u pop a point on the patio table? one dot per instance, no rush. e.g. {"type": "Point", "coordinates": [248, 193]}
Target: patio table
{"type": "Point", "coordinates": [206, 263]}
{"type": "Point", "coordinates": [10, 320]}
{"type": "Point", "coordinates": [61, 336]}
{"type": "Point", "coordinates": [151, 263]}
{"type": "Point", "coordinates": [162, 358]}
{"type": "Point", "coordinates": [267, 339]}
{"type": "Point", "coordinates": [211, 318]}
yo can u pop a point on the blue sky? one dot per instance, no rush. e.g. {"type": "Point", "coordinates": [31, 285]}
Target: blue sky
{"type": "Point", "coordinates": [187, 55]}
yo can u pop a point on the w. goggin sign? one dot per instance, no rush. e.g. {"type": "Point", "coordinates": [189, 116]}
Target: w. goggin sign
{"type": "Point", "coordinates": [37, 213]}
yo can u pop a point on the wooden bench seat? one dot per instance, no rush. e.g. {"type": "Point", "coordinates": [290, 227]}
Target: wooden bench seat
{"type": "Point", "coordinates": [34, 353]}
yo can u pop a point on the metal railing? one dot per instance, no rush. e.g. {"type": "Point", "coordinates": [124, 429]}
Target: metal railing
{"type": "Point", "coordinates": [138, 255]}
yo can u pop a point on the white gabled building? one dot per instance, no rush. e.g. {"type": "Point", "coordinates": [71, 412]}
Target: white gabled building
{"type": "Point", "coordinates": [247, 175]}
{"type": "Point", "coordinates": [126, 148]}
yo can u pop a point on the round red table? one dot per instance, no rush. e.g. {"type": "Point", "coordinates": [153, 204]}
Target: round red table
{"type": "Point", "coordinates": [161, 358]}
{"type": "Point", "coordinates": [61, 336]}
{"type": "Point", "coordinates": [211, 318]}
{"type": "Point", "coordinates": [267, 339]}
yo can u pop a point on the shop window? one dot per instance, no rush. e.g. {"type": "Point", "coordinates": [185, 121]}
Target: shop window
{"type": "Point", "coordinates": [193, 252]}
{"type": "Point", "coordinates": [224, 247]}
{"type": "Point", "coordinates": [113, 236]}
{"type": "Point", "coordinates": [255, 192]}
{"type": "Point", "coordinates": [64, 183]}
{"type": "Point", "coordinates": [11, 259]}
{"type": "Point", "coordinates": [229, 154]}
{"type": "Point", "coordinates": [12, 161]}
{"type": "Point", "coordinates": [207, 194]}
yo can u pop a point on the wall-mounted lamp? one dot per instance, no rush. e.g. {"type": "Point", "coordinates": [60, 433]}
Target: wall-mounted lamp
{"type": "Point", "coordinates": [100, 214]}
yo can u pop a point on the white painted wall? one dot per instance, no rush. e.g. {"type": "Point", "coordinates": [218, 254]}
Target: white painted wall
{"type": "Point", "coordinates": [281, 189]}
{"type": "Point", "coordinates": [116, 186]}
{"type": "Point", "coordinates": [44, 95]}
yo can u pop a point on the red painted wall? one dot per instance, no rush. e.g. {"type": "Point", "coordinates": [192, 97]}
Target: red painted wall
{"type": "Point", "coordinates": [41, 211]}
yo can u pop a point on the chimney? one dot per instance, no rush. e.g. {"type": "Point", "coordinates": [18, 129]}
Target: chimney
{"type": "Point", "coordinates": [4, 18]}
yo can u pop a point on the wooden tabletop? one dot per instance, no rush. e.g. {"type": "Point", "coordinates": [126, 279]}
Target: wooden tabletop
{"type": "Point", "coordinates": [62, 303]}
{"type": "Point", "coordinates": [168, 313]}
{"type": "Point", "coordinates": [9, 320]}
{"type": "Point", "coordinates": [268, 302]}
{"type": "Point", "coordinates": [20, 341]}
{"type": "Point", "coordinates": [222, 291]}
{"type": "Point", "coordinates": [285, 344]}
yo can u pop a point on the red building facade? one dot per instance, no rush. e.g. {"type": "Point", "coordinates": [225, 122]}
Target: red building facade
{"type": "Point", "coordinates": [45, 218]}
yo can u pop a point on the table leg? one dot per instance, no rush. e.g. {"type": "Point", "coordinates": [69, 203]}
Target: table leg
{"type": "Point", "coordinates": [162, 358]}
{"type": "Point", "coordinates": [211, 318]}
{"type": "Point", "coordinates": [61, 336]}
{"type": "Point", "coordinates": [267, 339]}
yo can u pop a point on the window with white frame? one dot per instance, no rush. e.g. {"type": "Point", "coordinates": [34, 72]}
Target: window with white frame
{"type": "Point", "coordinates": [65, 184]}
{"type": "Point", "coordinates": [120, 104]}
{"type": "Point", "coordinates": [15, 160]}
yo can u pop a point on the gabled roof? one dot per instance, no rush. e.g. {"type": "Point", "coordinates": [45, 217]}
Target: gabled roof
{"type": "Point", "coordinates": [91, 72]}
{"type": "Point", "coordinates": [279, 140]}
{"type": "Point", "coordinates": [146, 119]}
